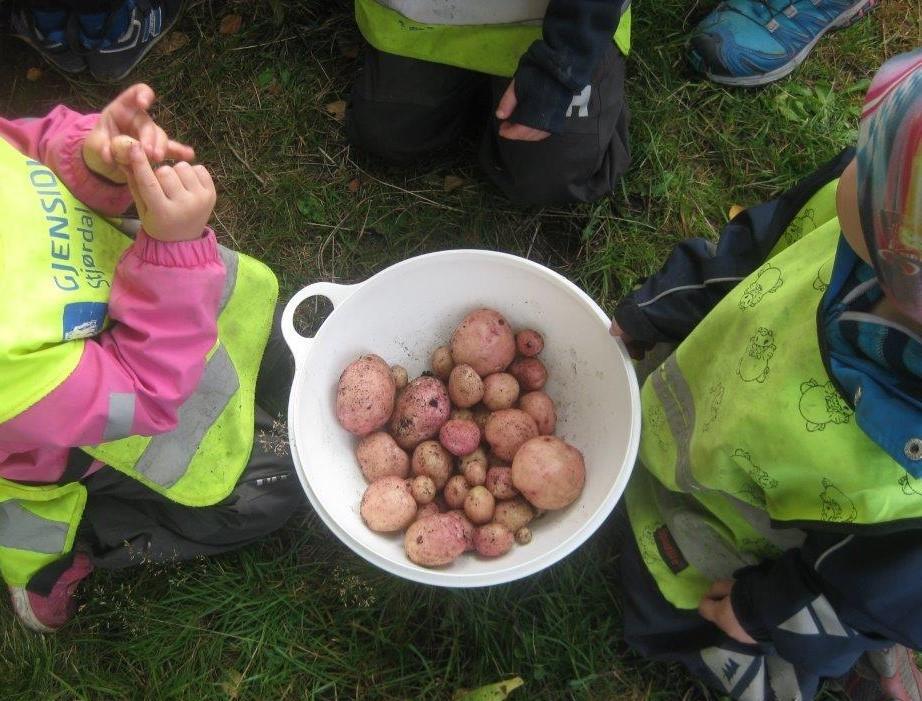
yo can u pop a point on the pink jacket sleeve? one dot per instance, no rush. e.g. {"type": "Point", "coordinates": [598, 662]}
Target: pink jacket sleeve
{"type": "Point", "coordinates": [164, 301]}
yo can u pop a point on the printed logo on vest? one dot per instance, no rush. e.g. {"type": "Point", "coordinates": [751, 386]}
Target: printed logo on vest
{"type": "Point", "coordinates": [84, 319]}
{"type": "Point", "coordinates": [668, 550]}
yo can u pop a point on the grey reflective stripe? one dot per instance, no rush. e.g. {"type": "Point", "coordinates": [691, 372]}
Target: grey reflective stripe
{"type": "Point", "coordinates": [675, 396]}
{"type": "Point", "coordinates": [755, 690]}
{"type": "Point", "coordinates": [452, 12]}
{"type": "Point", "coordinates": [121, 416]}
{"type": "Point", "coordinates": [801, 623]}
{"type": "Point", "coordinates": [231, 263]}
{"type": "Point", "coordinates": [828, 618]}
{"type": "Point", "coordinates": [730, 667]}
{"type": "Point", "coordinates": [783, 679]}
{"type": "Point", "coordinates": [23, 530]}
{"type": "Point", "coordinates": [168, 455]}
{"type": "Point", "coordinates": [784, 538]}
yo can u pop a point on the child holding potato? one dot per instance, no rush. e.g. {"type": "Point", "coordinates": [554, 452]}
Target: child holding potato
{"type": "Point", "coordinates": [129, 366]}
{"type": "Point", "coordinates": [776, 508]}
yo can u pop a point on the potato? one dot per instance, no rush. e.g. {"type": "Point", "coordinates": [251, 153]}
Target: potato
{"type": "Point", "coordinates": [479, 505]}
{"type": "Point", "coordinates": [380, 456]}
{"type": "Point", "coordinates": [121, 148]}
{"type": "Point", "coordinates": [365, 395]}
{"type": "Point", "coordinates": [500, 391]}
{"type": "Point", "coordinates": [432, 460]}
{"type": "Point", "coordinates": [474, 467]}
{"type": "Point", "coordinates": [435, 540]}
{"type": "Point", "coordinates": [549, 472]}
{"type": "Point", "coordinates": [484, 341]}
{"type": "Point", "coordinates": [529, 343]}
{"type": "Point", "coordinates": [464, 386]}
{"type": "Point", "coordinates": [507, 430]}
{"type": "Point", "coordinates": [430, 509]}
{"type": "Point", "coordinates": [399, 373]}
{"type": "Point", "coordinates": [513, 514]}
{"type": "Point", "coordinates": [499, 482]}
{"type": "Point", "coordinates": [387, 505]}
{"type": "Point", "coordinates": [530, 372]}
{"type": "Point", "coordinates": [442, 362]}
{"type": "Point", "coordinates": [467, 525]}
{"type": "Point", "coordinates": [421, 410]}
{"type": "Point", "coordinates": [523, 535]}
{"type": "Point", "coordinates": [541, 408]}
{"type": "Point", "coordinates": [459, 437]}
{"type": "Point", "coordinates": [455, 492]}
{"type": "Point", "coordinates": [422, 488]}
{"type": "Point", "coordinates": [493, 540]}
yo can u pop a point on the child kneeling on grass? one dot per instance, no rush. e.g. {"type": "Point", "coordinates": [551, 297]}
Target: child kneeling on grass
{"type": "Point", "coordinates": [129, 367]}
{"type": "Point", "coordinates": [776, 508]}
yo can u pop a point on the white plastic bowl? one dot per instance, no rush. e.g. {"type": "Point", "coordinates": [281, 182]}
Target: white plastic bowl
{"type": "Point", "coordinates": [402, 314]}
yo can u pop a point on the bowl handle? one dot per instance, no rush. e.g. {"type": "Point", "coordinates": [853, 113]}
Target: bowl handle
{"type": "Point", "coordinates": [337, 294]}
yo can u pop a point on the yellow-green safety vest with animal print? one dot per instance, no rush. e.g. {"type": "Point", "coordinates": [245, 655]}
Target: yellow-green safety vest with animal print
{"type": "Point", "coordinates": [480, 36]}
{"type": "Point", "coordinates": [56, 272]}
{"type": "Point", "coordinates": [744, 435]}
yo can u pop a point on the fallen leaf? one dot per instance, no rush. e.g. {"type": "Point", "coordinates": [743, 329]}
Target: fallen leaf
{"type": "Point", "coordinates": [354, 185]}
{"type": "Point", "coordinates": [230, 24]}
{"type": "Point", "coordinates": [491, 692]}
{"type": "Point", "coordinates": [34, 74]}
{"type": "Point", "coordinates": [337, 109]}
{"type": "Point", "coordinates": [452, 182]}
{"type": "Point", "coordinates": [734, 210]}
{"type": "Point", "coordinates": [172, 42]}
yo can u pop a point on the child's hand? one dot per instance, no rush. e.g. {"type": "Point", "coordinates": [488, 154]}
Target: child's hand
{"type": "Point", "coordinates": [636, 349]}
{"type": "Point", "coordinates": [127, 115]}
{"type": "Point", "coordinates": [174, 202]}
{"type": "Point", "coordinates": [715, 606]}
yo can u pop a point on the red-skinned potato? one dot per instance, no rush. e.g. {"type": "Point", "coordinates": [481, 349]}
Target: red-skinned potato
{"type": "Point", "coordinates": [493, 540]}
{"type": "Point", "coordinates": [432, 460]}
{"type": "Point", "coordinates": [464, 386]}
{"type": "Point", "coordinates": [387, 505]}
{"type": "Point", "coordinates": [499, 482]}
{"type": "Point", "coordinates": [513, 514]}
{"type": "Point", "coordinates": [549, 472]}
{"type": "Point", "coordinates": [455, 492]}
{"type": "Point", "coordinates": [530, 372]}
{"type": "Point", "coordinates": [435, 540]}
{"type": "Point", "coordinates": [484, 341]}
{"type": "Point", "coordinates": [529, 343]}
{"type": "Point", "coordinates": [399, 373]}
{"type": "Point", "coordinates": [459, 437]}
{"type": "Point", "coordinates": [422, 487]}
{"type": "Point", "coordinates": [541, 408]}
{"type": "Point", "coordinates": [467, 525]}
{"type": "Point", "coordinates": [421, 410]}
{"type": "Point", "coordinates": [430, 509]}
{"type": "Point", "coordinates": [365, 395]}
{"type": "Point", "coordinates": [500, 391]}
{"type": "Point", "coordinates": [474, 467]}
{"type": "Point", "coordinates": [380, 456]}
{"type": "Point", "coordinates": [479, 505]}
{"type": "Point", "coordinates": [507, 430]}
{"type": "Point", "coordinates": [442, 362]}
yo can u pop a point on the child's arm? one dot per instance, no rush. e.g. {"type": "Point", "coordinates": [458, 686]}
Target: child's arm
{"type": "Point", "coordinates": [133, 378]}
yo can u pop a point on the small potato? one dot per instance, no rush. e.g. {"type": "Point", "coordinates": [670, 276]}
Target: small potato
{"type": "Point", "coordinates": [430, 509]}
{"type": "Point", "coordinates": [432, 460]}
{"type": "Point", "coordinates": [479, 505]}
{"type": "Point", "coordinates": [459, 437]}
{"type": "Point", "coordinates": [513, 514]}
{"type": "Point", "coordinates": [387, 505]}
{"type": "Point", "coordinates": [423, 489]}
{"type": "Point", "coordinates": [474, 467]}
{"type": "Point", "coordinates": [529, 343]}
{"type": "Point", "coordinates": [399, 373]}
{"type": "Point", "coordinates": [549, 472]}
{"type": "Point", "coordinates": [421, 409]}
{"type": "Point", "coordinates": [380, 456]}
{"type": "Point", "coordinates": [442, 362]}
{"type": "Point", "coordinates": [523, 535]}
{"type": "Point", "coordinates": [484, 341]}
{"type": "Point", "coordinates": [464, 386]}
{"type": "Point", "coordinates": [500, 391]}
{"type": "Point", "coordinates": [365, 395]}
{"type": "Point", "coordinates": [455, 492]}
{"type": "Point", "coordinates": [493, 540]}
{"type": "Point", "coordinates": [462, 415]}
{"type": "Point", "coordinates": [121, 149]}
{"type": "Point", "coordinates": [530, 372]}
{"type": "Point", "coordinates": [435, 540]}
{"type": "Point", "coordinates": [507, 430]}
{"type": "Point", "coordinates": [541, 408]}
{"type": "Point", "coordinates": [499, 482]}
{"type": "Point", "coordinates": [467, 525]}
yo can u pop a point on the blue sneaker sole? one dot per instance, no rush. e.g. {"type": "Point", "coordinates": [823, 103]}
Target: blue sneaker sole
{"type": "Point", "coordinates": [850, 16]}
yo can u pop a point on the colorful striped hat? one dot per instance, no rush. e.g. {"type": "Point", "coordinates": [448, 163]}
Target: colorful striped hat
{"type": "Point", "coordinates": [889, 179]}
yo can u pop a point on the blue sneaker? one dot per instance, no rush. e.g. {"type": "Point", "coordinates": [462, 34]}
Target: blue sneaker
{"type": "Point", "coordinates": [47, 32]}
{"type": "Point", "coordinates": [754, 42]}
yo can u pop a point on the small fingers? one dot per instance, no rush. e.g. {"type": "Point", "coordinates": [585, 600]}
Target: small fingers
{"type": "Point", "coordinates": [179, 151]}
{"type": "Point", "coordinates": [187, 176]}
{"type": "Point", "coordinates": [507, 102]}
{"type": "Point", "coordinates": [170, 182]}
{"type": "Point", "coordinates": [146, 182]}
{"type": "Point", "coordinates": [204, 178]}
{"type": "Point", "coordinates": [720, 589]}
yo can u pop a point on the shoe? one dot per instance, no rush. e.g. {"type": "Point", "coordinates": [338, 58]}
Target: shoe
{"type": "Point", "coordinates": [46, 32]}
{"type": "Point", "coordinates": [886, 675]}
{"type": "Point", "coordinates": [118, 40]}
{"type": "Point", "coordinates": [46, 614]}
{"type": "Point", "coordinates": [754, 42]}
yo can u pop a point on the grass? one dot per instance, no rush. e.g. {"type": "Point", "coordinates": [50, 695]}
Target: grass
{"type": "Point", "coordinates": [300, 617]}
